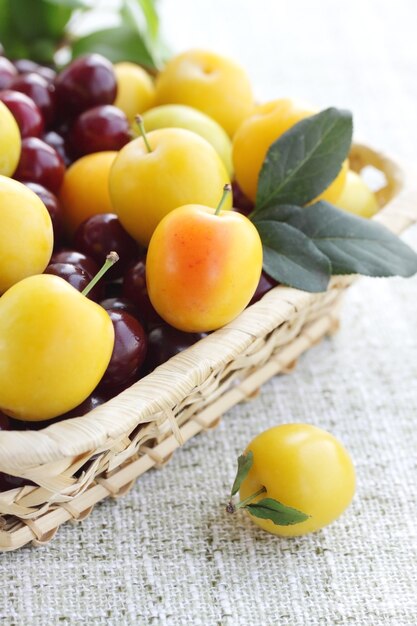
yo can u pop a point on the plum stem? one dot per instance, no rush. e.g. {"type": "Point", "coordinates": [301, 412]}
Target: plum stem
{"type": "Point", "coordinates": [111, 259]}
{"type": "Point", "coordinates": [141, 125]}
{"type": "Point", "coordinates": [232, 508]}
{"type": "Point", "coordinates": [226, 190]}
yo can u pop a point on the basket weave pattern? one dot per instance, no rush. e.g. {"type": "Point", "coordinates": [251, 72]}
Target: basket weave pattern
{"type": "Point", "coordinates": [76, 463]}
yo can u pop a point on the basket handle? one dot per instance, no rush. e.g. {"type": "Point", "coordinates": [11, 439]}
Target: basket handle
{"type": "Point", "coordinates": [401, 212]}
{"type": "Point", "coordinates": [400, 193]}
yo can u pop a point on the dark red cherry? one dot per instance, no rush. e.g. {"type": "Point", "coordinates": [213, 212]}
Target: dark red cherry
{"type": "Point", "coordinates": [41, 164]}
{"type": "Point", "coordinates": [47, 72]}
{"type": "Point", "coordinates": [129, 352]}
{"type": "Point", "coordinates": [75, 276]}
{"type": "Point", "coordinates": [87, 82]}
{"type": "Point", "coordinates": [165, 342]}
{"type": "Point", "coordinates": [7, 72]}
{"type": "Point", "coordinates": [134, 289]}
{"type": "Point", "coordinates": [100, 234]}
{"type": "Point", "coordinates": [120, 304]}
{"type": "Point", "coordinates": [266, 283]}
{"type": "Point", "coordinates": [113, 391]}
{"type": "Point", "coordinates": [40, 91]}
{"type": "Point", "coordinates": [8, 482]}
{"type": "Point", "coordinates": [26, 66]}
{"type": "Point", "coordinates": [113, 289]}
{"type": "Point", "coordinates": [241, 203]}
{"type": "Point", "coordinates": [79, 259]}
{"type": "Point", "coordinates": [94, 400]}
{"type": "Point", "coordinates": [99, 129]}
{"type": "Point", "coordinates": [25, 112]}
{"type": "Point", "coordinates": [57, 142]}
{"type": "Point", "coordinates": [5, 422]}
{"type": "Point", "coordinates": [62, 127]}
{"type": "Point", "coordinates": [54, 209]}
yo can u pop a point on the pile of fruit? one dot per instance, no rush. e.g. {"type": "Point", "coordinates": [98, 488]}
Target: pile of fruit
{"type": "Point", "coordinates": [100, 158]}
{"type": "Point", "coordinates": [195, 202]}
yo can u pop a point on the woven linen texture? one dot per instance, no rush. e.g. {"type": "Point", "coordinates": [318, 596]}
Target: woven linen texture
{"type": "Point", "coordinates": [167, 553]}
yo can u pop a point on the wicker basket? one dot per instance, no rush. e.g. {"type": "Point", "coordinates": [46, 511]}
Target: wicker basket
{"type": "Point", "coordinates": [76, 463]}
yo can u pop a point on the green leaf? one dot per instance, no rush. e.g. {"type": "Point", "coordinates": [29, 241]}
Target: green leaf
{"type": "Point", "coordinates": [121, 43]}
{"type": "Point", "coordinates": [6, 27]}
{"type": "Point", "coordinates": [55, 19]}
{"type": "Point", "coordinates": [280, 213]}
{"type": "Point", "coordinates": [291, 258]}
{"type": "Point", "coordinates": [279, 513]}
{"type": "Point", "coordinates": [15, 49]}
{"type": "Point", "coordinates": [43, 50]}
{"type": "Point", "coordinates": [46, 20]}
{"type": "Point", "coordinates": [353, 245]}
{"type": "Point", "coordinates": [244, 463]}
{"type": "Point", "coordinates": [305, 160]}
{"type": "Point", "coordinates": [139, 9]}
{"type": "Point", "coordinates": [141, 16]}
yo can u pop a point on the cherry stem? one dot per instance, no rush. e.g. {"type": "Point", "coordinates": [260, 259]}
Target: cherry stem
{"type": "Point", "coordinates": [141, 125]}
{"type": "Point", "coordinates": [226, 190]}
{"type": "Point", "coordinates": [232, 508]}
{"type": "Point", "coordinates": [111, 259]}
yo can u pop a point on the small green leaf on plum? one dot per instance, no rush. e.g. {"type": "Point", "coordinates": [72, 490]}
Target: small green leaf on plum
{"type": "Point", "coordinates": [244, 463]}
{"type": "Point", "coordinates": [278, 513]}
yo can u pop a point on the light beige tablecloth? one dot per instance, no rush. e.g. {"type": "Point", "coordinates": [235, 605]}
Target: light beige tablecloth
{"type": "Point", "coordinates": [167, 554]}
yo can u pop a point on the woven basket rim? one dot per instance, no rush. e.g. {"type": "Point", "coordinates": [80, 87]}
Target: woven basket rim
{"type": "Point", "coordinates": [172, 381]}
